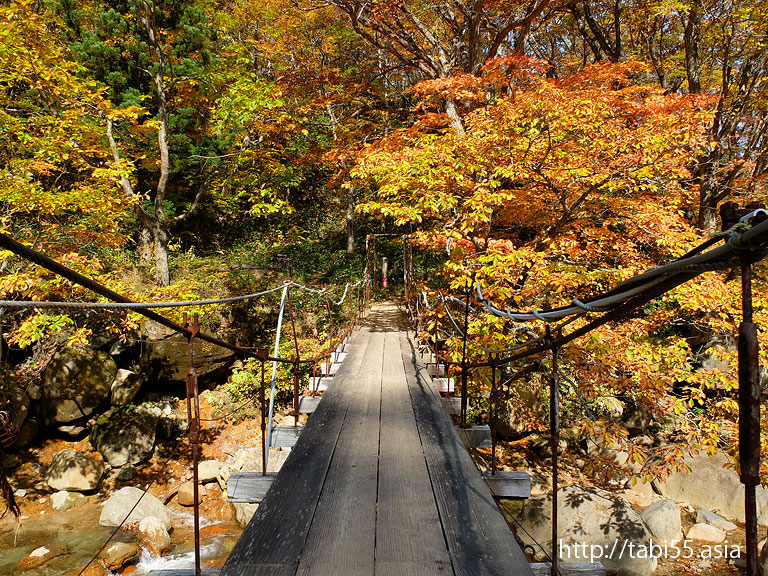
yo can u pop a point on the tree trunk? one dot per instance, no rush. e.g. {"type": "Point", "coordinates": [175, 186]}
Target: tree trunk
{"type": "Point", "coordinates": [691, 39]}
{"type": "Point", "coordinates": [453, 116]}
{"type": "Point", "coordinates": [162, 270]}
{"type": "Point", "coordinates": [711, 192]}
{"type": "Point", "coordinates": [145, 244]}
{"type": "Point", "coordinates": [161, 222]}
{"type": "Point", "coordinates": [710, 195]}
{"type": "Point", "coordinates": [351, 220]}
{"type": "Point", "coordinates": [707, 218]}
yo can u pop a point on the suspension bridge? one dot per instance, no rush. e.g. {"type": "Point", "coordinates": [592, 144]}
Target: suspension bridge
{"type": "Point", "coordinates": [378, 481]}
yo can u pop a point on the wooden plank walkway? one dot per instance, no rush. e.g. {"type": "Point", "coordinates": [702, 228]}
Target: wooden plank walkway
{"type": "Point", "coordinates": [378, 482]}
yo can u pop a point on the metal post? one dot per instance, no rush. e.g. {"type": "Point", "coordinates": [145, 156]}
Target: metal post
{"type": "Point", "coordinates": [554, 421]}
{"type": "Point", "coordinates": [296, 361]}
{"type": "Point", "coordinates": [275, 354]}
{"type": "Point", "coordinates": [193, 416]}
{"type": "Point", "coordinates": [263, 425]}
{"type": "Point", "coordinates": [374, 260]}
{"type": "Point", "coordinates": [384, 271]}
{"type": "Point", "coordinates": [464, 359]}
{"type": "Point", "coordinates": [492, 418]}
{"type": "Point", "coordinates": [749, 416]}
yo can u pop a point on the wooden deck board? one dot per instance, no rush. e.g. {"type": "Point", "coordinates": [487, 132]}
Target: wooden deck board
{"type": "Point", "coordinates": [308, 404]}
{"type": "Point", "coordinates": [286, 436]}
{"type": "Point", "coordinates": [343, 533]}
{"type": "Point", "coordinates": [509, 484]}
{"type": "Point", "coordinates": [249, 487]}
{"type": "Point", "coordinates": [478, 538]}
{"type": "Point", "coordinates": [409, 535]}
{"type": "Point", "coordinates": [274, 538]}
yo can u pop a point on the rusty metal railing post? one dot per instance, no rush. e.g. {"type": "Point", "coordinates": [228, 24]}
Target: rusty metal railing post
{"type": "Point", "coordinates": [464, 359]}
{"type": "Point", "coordinates": [330, 335]}
{"type": "Point", "coordinates": [492, 417]}
{"type": "Point", "coordinates": [193, 416]}
{"type": "Point", "coordinates": [263, 424]}
{"type": "Point", "coordinates": [554, 424]}
{"type": "Point", "coordinates": [749, 415]}
{"type": "Point", "coordinates": [296, 362]}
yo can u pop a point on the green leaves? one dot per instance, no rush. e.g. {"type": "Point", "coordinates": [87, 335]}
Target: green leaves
{"type": "Point", "coordinates": [245, 104]}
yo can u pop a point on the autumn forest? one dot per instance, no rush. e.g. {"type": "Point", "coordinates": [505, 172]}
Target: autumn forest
{"type": "Point", "coordinates": [546, 149]}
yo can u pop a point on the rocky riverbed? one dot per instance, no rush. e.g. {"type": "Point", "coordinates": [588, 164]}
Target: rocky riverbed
{"type": "Point", "coordinates": [60, 531]}
{"type": "Point", "coordinates": [72, 501]}
{"type": "Point", "coordinates": [83, 460]}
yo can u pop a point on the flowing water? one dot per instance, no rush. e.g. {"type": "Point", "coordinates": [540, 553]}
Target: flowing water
{"type": "Point", "coordinates": [78, 531]}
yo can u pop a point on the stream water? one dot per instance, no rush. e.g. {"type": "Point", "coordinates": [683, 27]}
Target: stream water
{"type": "Point", "coordinates": [78, 531]}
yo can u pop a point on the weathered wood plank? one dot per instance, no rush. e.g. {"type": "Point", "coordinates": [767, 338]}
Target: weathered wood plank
{"type": "Point", "coordinates": [452, 405]}
{"type": "Point", "coordinates": [320, 384]}
{"type": "Point", "coordinates": [475, 436]}
{"type": "Point", "coordinates": [413, 569]}
{"type": "Point", "coordinates": [445, 385]}
{"type": "Point", "coordinates": [569, 568]}
{"type": "Point", "coordinates": [274, 538]}
{"type": "Point", "coordinates": [308, 404]}
{"type": "Point", "coordinates": [343, 533]}
{"type": "Point", "coordinates": [184, 572]}
{"type": "Point", "coordinates": [257, 569]}
{"type": "Point", "coordinates": [509, 483]}
{"type": "Point", "coordinates": [327, 369]}
{"type": "Point", "coordinates": [286, 436]}
{"type": "Point", "coordinates": [478, 538]}
{"type": "Point", "coordinates": [409, 538]}
{"type": "Point", "coordinates": [248, 487]}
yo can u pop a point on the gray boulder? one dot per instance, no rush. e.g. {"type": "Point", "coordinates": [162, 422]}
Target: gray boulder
{"type": "Point", "coordinates": [170, 423]}
{"type": "Point", "coordinates": [118, 554]}
{"type": "Point", "coordinates": [636, 418]}
{"type": "Point", "coordinates": [705, 533]}
{"type": "Point", "coordinates": [208, 471]}
{"type": "Point", "coordinates": [27, 434]}
{"type": "Point", "coordinates": [186, 495]}
{"type": "Point", "coordinates": [610, 405]}
{"type": "Point", "coordinates": [154, 536]}
{"type": "Point", "coordinates": [592, 518]}
{"type": "Point", "coordinates": [696, 488]}
{"type": "Point", "coordinates": [663, 520]}
{"type": "Point", "coordinates": [72, 430]}
{"type": "Point", "coordinates": [166, 356]}
{"type": "Point", "coordinates": [20, 402]}
{"type": "Point", "coordinates": [125, 387]}
{"type": "Point", "coordinates": [72, 471]}
{"type": "Point", "coordinates": [124, 436]}
{"type": "Point", "coordinates": [520, 409]}
{"type": "Point", "coordinates": [75, 383]}
{"type": "Point", "coordinates": [764, 559]}
{"type": "Point", "coordinates": [64, 500]}
{"type": "Point", "coordinates": [705, 516]}
{"type": "Point", "coordinates": [117, 507]}
{"type": "Point", "coordinates": [244, 512]}
{"type": "Point", "coordinates": [597, 449]}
